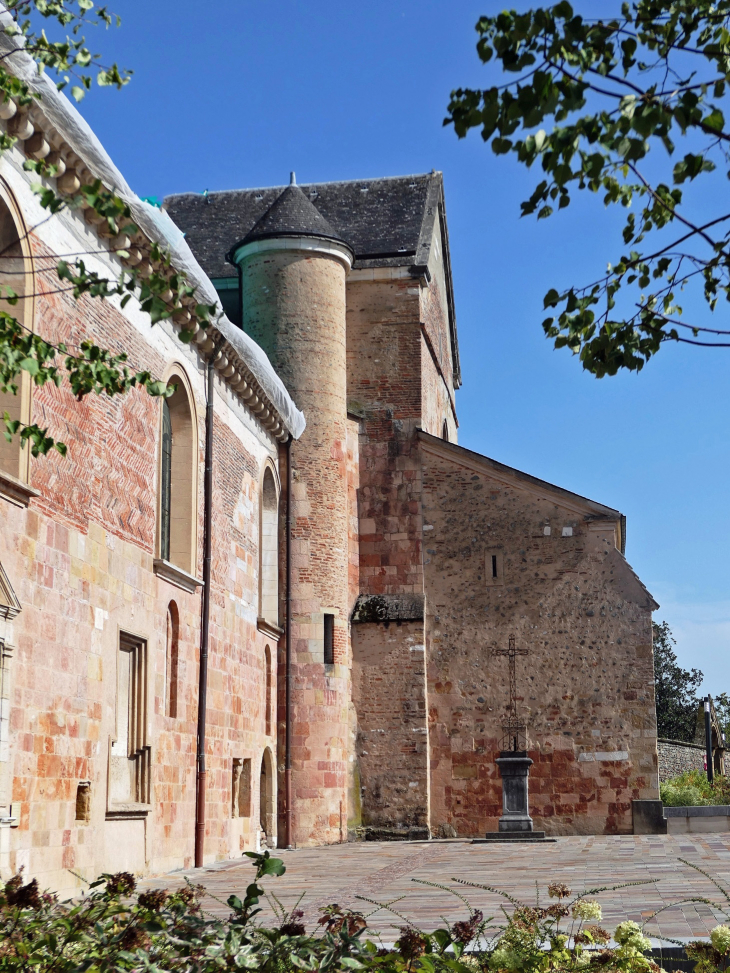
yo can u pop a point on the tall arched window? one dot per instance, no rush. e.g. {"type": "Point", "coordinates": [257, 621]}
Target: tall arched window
{"type": "Point", "coordinates": [172, 660]}
{"type": "Point", "coordinates": [15, 276]}
{"type": "Point", "coordinates": [269, 550]}
{"type": "Point", "coordinates": [269, 704]}
{"type": "Point", "coordinates": [177, 480]}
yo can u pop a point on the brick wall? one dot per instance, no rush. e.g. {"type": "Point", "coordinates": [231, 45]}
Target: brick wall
{"type": "Point", "coordinates": [80, 559]}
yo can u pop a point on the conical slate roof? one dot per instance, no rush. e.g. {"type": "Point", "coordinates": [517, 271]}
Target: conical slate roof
{"type": "Point", "coordinates": [291, 214]}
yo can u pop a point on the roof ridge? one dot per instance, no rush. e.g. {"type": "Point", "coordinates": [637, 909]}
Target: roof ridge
{"type": "Point", "coordinates": [330, 182]}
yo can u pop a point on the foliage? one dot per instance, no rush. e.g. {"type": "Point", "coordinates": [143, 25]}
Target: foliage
{"type": "Point", "coordinates": [115, 928]}
{"type": "Point", "coordinates": [692, 789]}
{"type": "Point", "coordinates": [675, 689]}
{"type": "Point", "coordinates": [722, 712]}
{"type": "Point", "coordinates": [154, 284]}
{"type": "Point", "coordinates": [592, 98]}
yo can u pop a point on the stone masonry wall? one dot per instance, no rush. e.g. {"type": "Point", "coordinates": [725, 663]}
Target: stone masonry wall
{"type": "Point", "coordinates": [677, 758]}
{"type": "Point", "coordinates": [294, 306]}
{"type": "Point", "coordinates": [586, 687]}
{"type": "Point", "coordinates": [80, 560]}
{"type": "Point", "coordinates": [388, 687]}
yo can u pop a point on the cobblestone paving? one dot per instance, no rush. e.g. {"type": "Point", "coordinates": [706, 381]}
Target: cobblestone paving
{"type": "Point", "coordinates": [386, 871]}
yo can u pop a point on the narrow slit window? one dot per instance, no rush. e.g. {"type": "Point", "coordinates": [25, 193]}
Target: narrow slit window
{"type": "Point", "coordinates": [166, 482]}
{"type": "Point", "coordinates": [329, 640]}
{"type": "Point", "coordinates": [494, 566]}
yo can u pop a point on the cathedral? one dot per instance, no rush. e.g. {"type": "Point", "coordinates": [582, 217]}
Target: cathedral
{"type": "Point", "coordinates": [273, 608]}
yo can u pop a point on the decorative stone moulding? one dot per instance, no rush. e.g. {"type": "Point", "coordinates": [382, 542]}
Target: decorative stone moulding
{"type": "Point", "coordinates": [16, 491]}
{"type": "Point", "coordinates": [269, 628]}
{"type": "Point", "coordinates": [175, 575]}
{"type": "Point", "coordinates": [40, 140]}
{"type": "Point", "coordinates": [320, 245]}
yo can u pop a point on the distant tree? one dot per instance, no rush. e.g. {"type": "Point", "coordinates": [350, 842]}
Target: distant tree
{"type": "Point", "coordinates": [675, 689]}
{"type": "Point", "coordinates": [644, 75]}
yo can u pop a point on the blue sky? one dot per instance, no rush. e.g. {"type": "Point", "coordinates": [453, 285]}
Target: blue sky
{"type": "Point", "coordinates": [236, 94]}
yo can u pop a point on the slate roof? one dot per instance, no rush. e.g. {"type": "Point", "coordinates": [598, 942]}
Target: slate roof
{"type": "Point", "coordinates": [291, 214]}
{"type": "Point", "coordinates": [387, 223]}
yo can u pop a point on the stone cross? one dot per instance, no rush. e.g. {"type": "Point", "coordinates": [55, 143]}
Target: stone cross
{"type": "Point", "coordinates": [512, 727]}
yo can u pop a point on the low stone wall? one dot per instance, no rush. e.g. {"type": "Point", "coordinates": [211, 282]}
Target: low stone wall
{"type": "Point", "coordinates": [711, 819]}
{"type": "Point", "coordinates": [676, 758]}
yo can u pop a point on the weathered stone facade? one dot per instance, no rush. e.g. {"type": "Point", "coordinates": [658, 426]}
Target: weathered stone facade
{"type": "Point", "coordinates": [449, 552]}
{"type": "Point", "coordinates": [85, 591]}
{"type": "Point", "coordinates": [412, 560]}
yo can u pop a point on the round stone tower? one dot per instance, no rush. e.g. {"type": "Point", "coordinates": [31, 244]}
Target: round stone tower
{"type": "Point", "coordinates": [293, 267]}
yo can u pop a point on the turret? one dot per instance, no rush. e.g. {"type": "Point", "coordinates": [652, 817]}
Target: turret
{"type": "Point", "coordinates": [293, 267]}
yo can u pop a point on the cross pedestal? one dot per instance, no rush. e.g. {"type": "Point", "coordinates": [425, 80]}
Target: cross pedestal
{"type": "Point", "coordinates": [515, 823]}
{"type": "Point", "coordinates": [514, 766]}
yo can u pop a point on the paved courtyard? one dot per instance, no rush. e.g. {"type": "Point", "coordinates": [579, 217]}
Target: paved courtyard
{"type": "Point", "coordinates": [388, 871]}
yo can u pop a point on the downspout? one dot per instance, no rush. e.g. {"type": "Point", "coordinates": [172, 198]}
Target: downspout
{"type": "Point", "coordinates": [287, 746]}
{"type": "Point", "coordinates": [205, 626]}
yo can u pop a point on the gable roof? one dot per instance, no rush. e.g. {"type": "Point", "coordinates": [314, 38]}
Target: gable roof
{"type": "Point", "coordinates": [467, 457]}
{"type": "Point", "coordinates": [387, 222]}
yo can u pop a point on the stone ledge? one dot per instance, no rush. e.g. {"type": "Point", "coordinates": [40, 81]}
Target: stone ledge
{"type": "Point", "coordinates": [175, 575]}
{"type": "Point", "coordinates": [15, 490]}
{"type": "Point", "coordinates": [269, 628]}
{"type": "Point", "coordinates": [702, 811]}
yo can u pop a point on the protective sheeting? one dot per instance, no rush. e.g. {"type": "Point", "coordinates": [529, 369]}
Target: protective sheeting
{"type": "Point", "coordinates": [153, 222]}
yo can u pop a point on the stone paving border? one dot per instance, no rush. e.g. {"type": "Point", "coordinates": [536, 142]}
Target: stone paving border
{"type": "Point", "coordinates": [385, 871]}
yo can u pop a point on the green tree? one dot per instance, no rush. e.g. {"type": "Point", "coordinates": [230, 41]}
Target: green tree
{"type": "Point", "coordinates": [675, 689]}
{"type": "Point", "coordinates": [603, 105]}
{"type": "Point", "coordinates": [160, 291]}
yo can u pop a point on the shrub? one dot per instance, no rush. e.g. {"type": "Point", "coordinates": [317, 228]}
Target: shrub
{"type": "Point", "coordinates": [692, 789]}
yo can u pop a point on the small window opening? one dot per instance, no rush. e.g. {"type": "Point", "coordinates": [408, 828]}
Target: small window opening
{"type": "Point", "coordinates": [494, 566]}
{"type": "Point", "coordinates": [241, 788]}
{"type": "Point", "coordinates": [172, 660]}
{"type": "Point", "coordinates": [329, 640]}
{"type": "Point", "coordinates": [445, 431]}
{"type": "Point", "coordinates": [83, 801]}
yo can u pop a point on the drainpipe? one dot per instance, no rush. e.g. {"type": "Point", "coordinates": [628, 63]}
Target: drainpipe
{"type": "Point", "coordinates": [287, 748]}
{"type": "Point", "coordinates": [205, 626]}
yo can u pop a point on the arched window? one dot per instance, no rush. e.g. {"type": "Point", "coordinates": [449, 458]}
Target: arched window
{"type": "Point", "coordinates": [269, 705]}
{"type": "Point", "coordinates": [445, 431]}
{"type": "Point", "coordinates": [15, 275]}
{"type": "Point", "coordinates": [172, 660]}
{"type": "Point", "coordinates": [269, 550]}
{"type": "Point", "coordinates": [177, 480]}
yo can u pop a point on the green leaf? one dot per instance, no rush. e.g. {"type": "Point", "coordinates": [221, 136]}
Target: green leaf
{"type": "Point", "coordinates": [78, 92]}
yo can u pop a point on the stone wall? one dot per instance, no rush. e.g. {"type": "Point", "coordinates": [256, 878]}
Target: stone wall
{"type": "Point", "coordinates": [677, 758]}
{"type": "Point", "coordinates": [389, 693]}
{"type": "Point", "coordinates": [585, 689]}
{"type": "Point", "coordinates": [80, 559]}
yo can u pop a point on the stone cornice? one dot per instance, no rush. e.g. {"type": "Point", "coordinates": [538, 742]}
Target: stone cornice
{"type": "Point", "coordinates": [269, 628]}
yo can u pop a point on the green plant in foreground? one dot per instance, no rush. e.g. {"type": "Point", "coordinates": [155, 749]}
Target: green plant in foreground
{"type": "Point", "coordinates": [114, 928]}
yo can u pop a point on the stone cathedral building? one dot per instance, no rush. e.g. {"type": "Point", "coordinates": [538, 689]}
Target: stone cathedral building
{"type": "Point", "coordinates": [414, 558]}
{"type": "Point", "coordinates": [364, 567]}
